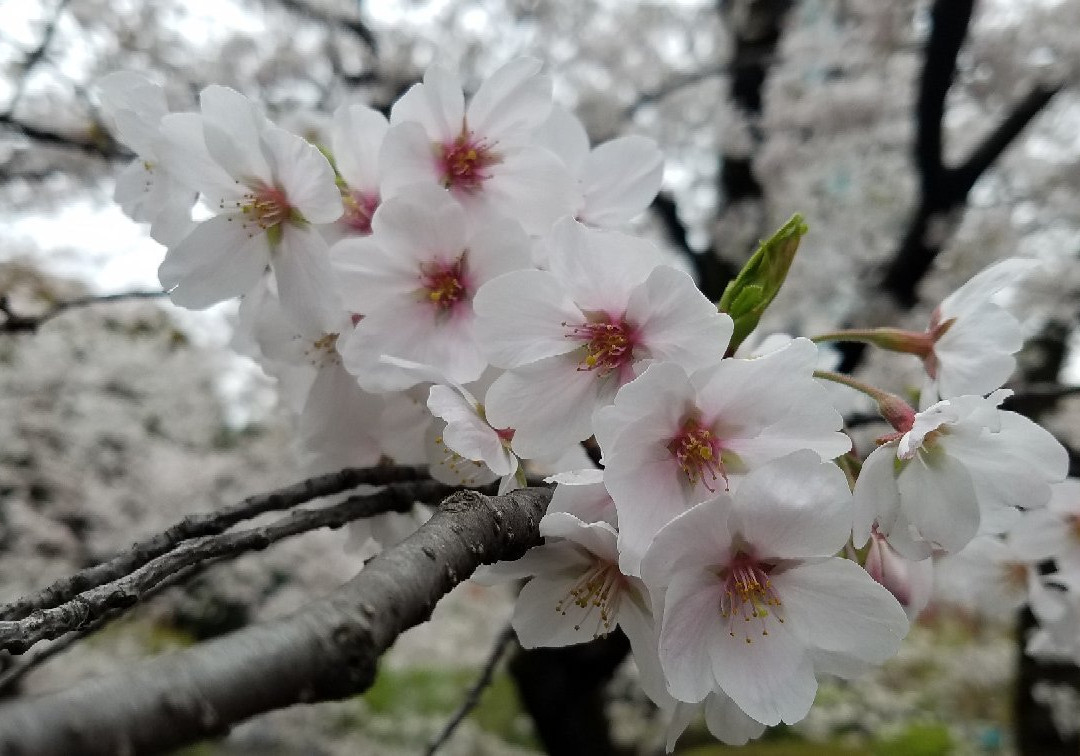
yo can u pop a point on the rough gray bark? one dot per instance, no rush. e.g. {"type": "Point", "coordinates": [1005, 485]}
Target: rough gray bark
{"type": "Point", "coordinates": [197, 526]}
{"type": "Point", "coordinates": [328, 650]}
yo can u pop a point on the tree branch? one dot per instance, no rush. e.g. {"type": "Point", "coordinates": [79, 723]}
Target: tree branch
{"type": "Point", "coordinates": [196, 526]}
{"type": "Point", "coordinates": [353, 25]}
{"type": "Point", "coordinates": [944, 190]}
{"type": "Point", "coordinates": [16, 323]}
{"type": "Point", "coordinates": [326, 651]}
{"type": "Point", "coordinates": [17, 636]}
{"type": "Point", "coordinates": [100, 144]}
{"type": "Point", "coordinates": [472, 697]}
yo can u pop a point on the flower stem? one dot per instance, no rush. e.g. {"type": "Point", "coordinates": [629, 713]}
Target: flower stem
{"type": "Point", "coordinates": [892, 339]}
{"type": "Point", "coordinates": [895, 410]}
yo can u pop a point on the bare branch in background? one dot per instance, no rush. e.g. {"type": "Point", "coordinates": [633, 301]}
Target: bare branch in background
{"type": "Point", "coordinates": [943, 190]}
{"type": "Point", "coordinates": [18, 635]}
{"type": "Point", "coordinates": [328, 650]}
{"type": "Point", "coordinates": [13, 322]}
{"type": "Point", "coordinates": [353, 25]}
{"type": "Point", "coordinates": [197, 526]}
{"type": "Point", "coordinates": [35, 56]}
{"type": "Point", "coordinates": [472, 697]}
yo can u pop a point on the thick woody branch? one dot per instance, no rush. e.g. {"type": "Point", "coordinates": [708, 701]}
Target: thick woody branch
{"type": "Point", "coordinates": [17, 636]}
{"type": "Point", "coordinates": [943, 189]}
{"type": "Point", "coordinates": [326, 651]}
{"type": "Point", "coordinates": [197, 526]}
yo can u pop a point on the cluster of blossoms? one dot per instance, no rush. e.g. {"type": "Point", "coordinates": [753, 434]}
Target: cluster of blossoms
{"type": "Point", "coordinates": [450, 286]}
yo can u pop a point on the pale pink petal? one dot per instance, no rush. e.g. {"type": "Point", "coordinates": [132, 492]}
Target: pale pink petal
{"type": "Point", "coordinates": [368, 277]}
{"type": "Point", "coordinates": [447, 466]}
{"type": "Point", "coordinates": [548, 403]}
{"type": "Point", "coordinates": [529, 184]}
{"type": "Point", "coordinates": [218, 260]}
{"type": "Point", "coordinates": [520, 317]}
{"type": "Point", "coordinates": [676, 322]}
{"type": "Point", "coordinates": [546, 614]}
{"type": "Point", "coordinates": [975, 356]}
{"type": "Point", "coordinates": [691, 620]}
{"type": "Point", "coordinates": [698, 539]}
{"type": "Point", "coordinates": [423, 225]}
{"type": "Point", "coordinates": [406, 159]}
{"type": "Point", "coordinates": [497, 248]}
{"type": "Point", "coordinates": [563, 134]}
{"type": "Point", "coordinates": [588, 501]}
{"type": "Point", "coordinates": [598, 538]}
{"type": "Point", "coordinates": [339, 424]}
{"type": "Point", "coordinates": [834, 605]}
{"type": "Point", "coordinates": [937, 495]}
{"type": "Point", "coordinates": [232, 127]}
{"type": "Point", "coordinates": [304, 174]}
{"type": "Point", "coordinates": [599, 268]}
{"type": "Point", "coordinates": [357, 135]}
{"type": "Point", "coordinates": [182, 151]}
{"type": "Point", "coordinates": [438, 104]}
{"type": "Point", "coordinates": [876, 495]}
{"type": "Point", "coordinates": [619, 180]}
{"type": "Point", "coordinates": [728, 723]}
{"type": "Point", "coordinates": [415, 332]}
{"type": "Point", "coordinates": [556, 558]}
{"type": "Point", "coordinates": [305, 280]}
{"type": "Point", "coordinates": [512, 102]}
{"type": "Point", "coordinates": [795, 507]}
{"type": "Point", "coordinates": [984, 285]}
{"type": "Point", "coordinates": [466, 432]}
{"type": "Point", "coordinates": [771, 677]}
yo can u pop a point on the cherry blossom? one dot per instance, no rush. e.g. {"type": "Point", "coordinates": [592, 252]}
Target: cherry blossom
{"type": "Point", "coordinates": [578, 593]}
{"type": "Point", "coordinates": [672, 440]}
{"type": "Point", "coordinates": [911, 582]}
{"type": "Point", "coordinates": [414, 280]}
{"type": "Point", "coordinates": [571, 336]}
{"type": "Point", "coordinates": [963, 465]}
{"type": "Point", "coordinates": [482, 154]}
{"type": "Point", "coordinates": [356, 137]}
{"type": "Point", "coordinates": [974, 339]}
{"type": "Point", "coordinates": [266, 187]}
{"type": "Point", "coordinates": [134, 106]}
{"type": "Point", "coordinates": [617, 180]}
{"type": "Point", "coordinates": [754, 602]}
{"type": "Point", "coordinates": [1054, 532]}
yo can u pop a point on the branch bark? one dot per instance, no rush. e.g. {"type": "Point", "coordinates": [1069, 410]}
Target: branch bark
{"type": "Point", "coordinates": [196, 526]}
{"type": "Point", "coordinates": [944, 190]}
{"type": "Point", "coordinates": [13, 322]}
{"type": "Point", "coordinates": [117, 596]}
{"type": "Point", "coordinates": [326, 651]}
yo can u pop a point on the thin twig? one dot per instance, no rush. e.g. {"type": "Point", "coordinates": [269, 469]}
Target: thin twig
{"type": "Point", "coordinates": [472, 697]}
{"type": "Point", "coordinates": [34, 660]}
{"type": "Point", "coordinates": [16, 323]}
{"type": "Point", "coordinates": [18, 635]}
{"type": "Point", "coordinates": [195, 526]}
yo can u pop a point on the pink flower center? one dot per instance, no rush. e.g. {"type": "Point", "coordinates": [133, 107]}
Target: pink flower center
{"type": "Point", "coordinates": [598, 589]}
{"type": "Point", "coordinates": [463, 163]}
{"type": "Point", "coordinates": [444, 283]}
{"type": "Point", "coordinates": [359, 207]}
{"type": "Point", "coordinates": [267, 206]}
{"type": "Point", "coordinates": [609, 344]}
{"type": "Point", "coordinates": [748, 593]}
{"type": "Point", "coordinates": [698, 452]}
